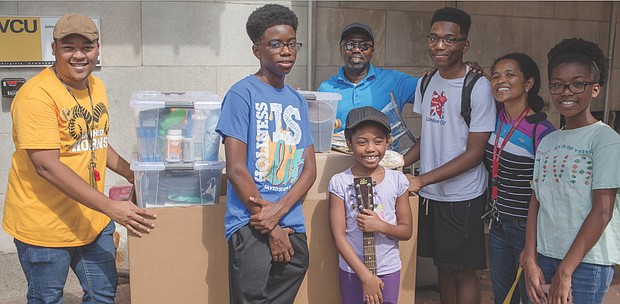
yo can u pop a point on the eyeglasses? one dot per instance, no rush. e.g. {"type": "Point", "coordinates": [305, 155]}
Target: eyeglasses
{"type": "Point", "coordinates": [447, 40]}
{"type": "Point", "coordinates": [351, 45]}
{"type": "Point", "coordinates": [279, 45]}
{"type": "Point", "coordinates": [575, 87]}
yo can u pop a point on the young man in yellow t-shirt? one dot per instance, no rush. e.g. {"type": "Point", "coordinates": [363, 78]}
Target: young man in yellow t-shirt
{"type": "Point", "coordinates": [54, 207]}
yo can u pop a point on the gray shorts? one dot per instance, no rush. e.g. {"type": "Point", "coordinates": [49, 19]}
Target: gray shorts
{"type": "Point", "coordinates": [255, 278]}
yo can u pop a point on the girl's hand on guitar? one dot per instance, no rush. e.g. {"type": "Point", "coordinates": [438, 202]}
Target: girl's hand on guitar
{"type": "Point", "coordinates": [369, 221]}
{"type": "Point", "coordinates": [372, 289]}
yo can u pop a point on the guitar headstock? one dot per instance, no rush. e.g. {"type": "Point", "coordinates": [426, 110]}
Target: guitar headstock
{"type": "Point", "coordinates": [364, 192]}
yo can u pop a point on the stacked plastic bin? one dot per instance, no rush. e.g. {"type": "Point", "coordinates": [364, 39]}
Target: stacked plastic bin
{"type": "Point", "coordinates": [322, 108]}
{"type": "Point", "coordinates": [176, 163]}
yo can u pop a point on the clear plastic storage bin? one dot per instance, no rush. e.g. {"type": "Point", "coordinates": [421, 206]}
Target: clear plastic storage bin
{"type": "Point", "coordinates": [172, 185]}
{"type": "Point", "coordinates": [176, 127]}
{"type": "Point", "coordinates": [322, 108]}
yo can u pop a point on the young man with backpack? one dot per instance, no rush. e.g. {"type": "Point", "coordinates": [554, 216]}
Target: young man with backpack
{"type": "Point", "coordinates": [452, 181]}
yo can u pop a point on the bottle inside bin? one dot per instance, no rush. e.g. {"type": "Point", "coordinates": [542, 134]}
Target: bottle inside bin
{"type": "Point", "coordinates": [172, 119]}
{"type": "Point", "coordinates": [199, 121]}
{"type": "Point", "coordinates": [174, 145]}
{"type": "Point", "coordinates": [211, 138]}
{"type": "Point", "coordinates": [188, 140]}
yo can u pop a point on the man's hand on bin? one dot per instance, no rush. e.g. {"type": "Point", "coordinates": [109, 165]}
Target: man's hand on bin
{"type": "Point", "coordinates": [135, 219]}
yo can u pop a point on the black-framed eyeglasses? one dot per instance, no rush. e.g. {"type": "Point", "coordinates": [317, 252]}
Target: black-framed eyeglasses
{"type": "Point", "coordinates": [447, 40]}
{"type": "Point", "coordinates": [575, 87]}
{"type": "Point", "coordinates": [351, 45]}
{"type": "Point", "coordinates": [279, 45]}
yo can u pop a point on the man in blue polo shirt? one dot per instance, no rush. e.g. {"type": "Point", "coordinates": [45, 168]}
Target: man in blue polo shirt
{"type": "Point", "coordinates": [359, 82]}
{"type": "Point", "coordinates": [362, 84]}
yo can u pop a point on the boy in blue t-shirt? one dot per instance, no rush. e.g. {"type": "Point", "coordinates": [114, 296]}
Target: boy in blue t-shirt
{"type": "Point", "coordinates": [270, 165]}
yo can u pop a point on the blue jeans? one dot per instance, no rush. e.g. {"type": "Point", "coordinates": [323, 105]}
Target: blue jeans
{"type": "Point", "coordinates": [46, 269]}
{"type": "Point", "coordinates": [505, 244]}
{"type": "Point", "coordinates": [590, 282]}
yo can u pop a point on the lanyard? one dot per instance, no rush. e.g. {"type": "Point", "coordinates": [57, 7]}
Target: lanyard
{"type": "Point", "coordinates": [498, 150]}
{"type": "Point", "coordinates": [92, 166]}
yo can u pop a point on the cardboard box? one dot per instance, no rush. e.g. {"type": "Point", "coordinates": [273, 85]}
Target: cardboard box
{"type": "Point", "coordinates": [185, 258]}
{"type": "Point", "coordinates": [327, 165]}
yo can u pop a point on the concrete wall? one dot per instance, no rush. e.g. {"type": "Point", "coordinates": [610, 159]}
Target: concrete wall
{"type": "Point", "coordinates": [498, 28]}
{"type": "Point", "coordinates": [202, 45]}
{"type": "Point", "coordinates": [164, 46]}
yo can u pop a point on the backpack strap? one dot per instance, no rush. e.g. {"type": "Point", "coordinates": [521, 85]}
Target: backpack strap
{"type": "Point", "coordinates": [468, 87]}
{"type": "Point", "coordinates": [426, 79]}
{"type": "Point", "coordinates": [534, 137]}
{"type": "Point", "coordinates": [540, 117]}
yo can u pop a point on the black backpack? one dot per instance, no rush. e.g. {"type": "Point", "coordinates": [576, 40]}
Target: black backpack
{"type": "Point", "coordinates": [468, 86]}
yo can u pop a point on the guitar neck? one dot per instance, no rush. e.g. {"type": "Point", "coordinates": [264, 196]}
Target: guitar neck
{"type": "Point", "coordinates": [370, 257]}
{"type": "Point", "coordinates": [365, 200]}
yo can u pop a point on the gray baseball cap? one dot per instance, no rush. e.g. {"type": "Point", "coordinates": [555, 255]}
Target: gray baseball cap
{"type": "Point", "coordinates": [357, 27]}
{"type": "Point", "coordinates": [359, 115]}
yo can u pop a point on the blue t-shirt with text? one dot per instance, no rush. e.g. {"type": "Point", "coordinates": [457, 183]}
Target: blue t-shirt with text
{"type": "Point", "coordinates": [275, 126]}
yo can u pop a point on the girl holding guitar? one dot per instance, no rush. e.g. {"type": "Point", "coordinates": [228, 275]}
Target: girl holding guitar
{"type": "Point", "coordinates": [369, 213]}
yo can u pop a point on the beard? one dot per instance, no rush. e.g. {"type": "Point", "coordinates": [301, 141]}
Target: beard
{"type": "Point", "coordinates": [357, 68]}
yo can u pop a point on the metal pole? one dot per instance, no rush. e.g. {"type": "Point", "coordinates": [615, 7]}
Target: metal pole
{"type": "Point", "coordinates": [310, 70]}
{"type": "Point", "coordinates": [610, 54]}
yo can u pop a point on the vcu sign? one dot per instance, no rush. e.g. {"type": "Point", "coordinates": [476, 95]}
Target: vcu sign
{"type": "Point", "coordinates": [20, 38]}
{"type": "Point", "coordinates": [27, 40]}
{"type": "Point", "coordinates": [28, 25]}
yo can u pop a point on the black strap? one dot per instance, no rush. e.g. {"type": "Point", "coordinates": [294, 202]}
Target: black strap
{"type": "Point", "coordinates": [534, 137]}
{"type": "Point", "coordinates": [426, 79]}
{"type": "Point", "coordinates": [468, 87]}
{"type": "Point", "coordinates": [537, 119]}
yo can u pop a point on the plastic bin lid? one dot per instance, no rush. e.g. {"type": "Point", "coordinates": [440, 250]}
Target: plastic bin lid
{"type": "Point", "coordinates": [313, 95]}
{"type": "Point", "coordinates": [159, 166]}
{"type": "Point", "coordinates": [160, 100]}
{"type": "Point", "coordinates": [209, 165]}
{"type": "Point", "coordinates": [146, 166]}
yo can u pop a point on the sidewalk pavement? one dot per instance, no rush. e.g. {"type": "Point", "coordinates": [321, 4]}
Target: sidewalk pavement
{"type": "Point", "coordinates": [424, 295]}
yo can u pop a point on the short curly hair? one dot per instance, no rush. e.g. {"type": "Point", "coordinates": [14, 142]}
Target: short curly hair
{"type": "Point", "coordinates": [586, 53]}
{"type": "Point", "coordinates": [454, 15]}
{"type": "Point", "coordinates": [268, 16]}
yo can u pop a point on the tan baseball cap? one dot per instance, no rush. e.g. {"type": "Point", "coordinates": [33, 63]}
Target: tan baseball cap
{"type": "Point", "coordinates": [76, 24]}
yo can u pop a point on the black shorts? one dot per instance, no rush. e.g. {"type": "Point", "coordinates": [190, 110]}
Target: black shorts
{"type": "Point", "coordinates": [452, 233]}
